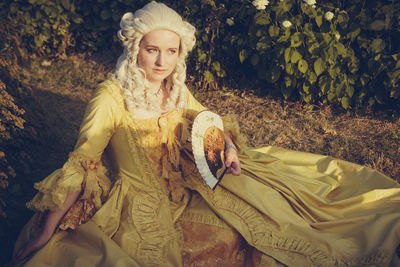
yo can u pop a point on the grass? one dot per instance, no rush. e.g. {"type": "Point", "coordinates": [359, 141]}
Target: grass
{"type": "Point", "coordinates": [370, 139]}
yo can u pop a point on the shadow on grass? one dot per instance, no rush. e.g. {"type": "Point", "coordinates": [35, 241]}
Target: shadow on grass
{"type": "Point", "coordinates": [57, 134]}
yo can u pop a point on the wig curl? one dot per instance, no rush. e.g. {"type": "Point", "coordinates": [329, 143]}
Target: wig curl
{"type": "Point", "coordinates": [153, 16]}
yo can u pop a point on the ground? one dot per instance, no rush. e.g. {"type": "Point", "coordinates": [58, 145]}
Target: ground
{"type": "Point", "coordinates": [366, 137]}
{"type": "Point", "coordinates": [62, 87]}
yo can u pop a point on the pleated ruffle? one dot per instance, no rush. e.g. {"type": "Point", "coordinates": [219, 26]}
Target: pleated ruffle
{"type": "Point", "coordinates": [79, 174]}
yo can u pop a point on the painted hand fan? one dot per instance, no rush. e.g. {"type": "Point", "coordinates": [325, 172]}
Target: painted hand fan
{"type": "Point", "coordinates": [208, 145]}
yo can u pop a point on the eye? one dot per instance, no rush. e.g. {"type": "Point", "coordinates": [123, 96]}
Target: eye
{"type": "Point", "coordinates": [172, 51]}
{"type": "Point", "coordinates": [151, 50]}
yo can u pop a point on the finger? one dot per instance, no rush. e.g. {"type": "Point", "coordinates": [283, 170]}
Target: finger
{"type": "Point", "coordinates": [235, 168]}
{"type": "Point", "coordinates": [228, 162]}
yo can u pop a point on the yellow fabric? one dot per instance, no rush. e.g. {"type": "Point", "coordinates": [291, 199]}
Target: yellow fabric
{"type": "Point", "coordinates": [299, 209]}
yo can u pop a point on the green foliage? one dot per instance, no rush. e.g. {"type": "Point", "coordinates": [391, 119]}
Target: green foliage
{"type": "Point", "coordinates": [42, 27]}
{"type": "Point", "coordinates": [311, 51]}
{"type": "Point", "coordinates": [342, 52]}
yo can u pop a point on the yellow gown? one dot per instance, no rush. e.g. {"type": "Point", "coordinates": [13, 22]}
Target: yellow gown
{"type": "Point", "coordinates": [143, 202]}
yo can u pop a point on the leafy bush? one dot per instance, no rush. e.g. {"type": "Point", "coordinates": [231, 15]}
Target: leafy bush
{"type": "Point", "coordinates": [315, 51]}
{"type": "Point", "coordinates": [344, 52]}
{"type": "Point", "coordinates": [41, 27]}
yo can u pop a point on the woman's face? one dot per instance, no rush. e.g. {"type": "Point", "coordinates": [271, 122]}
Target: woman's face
{"type": "Point", "coordinates": [158, 54]}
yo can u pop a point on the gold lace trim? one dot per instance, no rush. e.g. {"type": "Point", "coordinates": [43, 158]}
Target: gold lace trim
{"type": "Point", "coordinates": [78, 172]}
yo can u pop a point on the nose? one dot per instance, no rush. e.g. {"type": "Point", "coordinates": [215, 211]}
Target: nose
{"type": "Point", "coordinates": [160, 59]}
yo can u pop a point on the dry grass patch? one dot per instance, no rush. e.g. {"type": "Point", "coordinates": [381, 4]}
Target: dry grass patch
{"type": "Point", "coordinates": [370, 140]}
{"type": "Point", "coordinates": [65, 86]}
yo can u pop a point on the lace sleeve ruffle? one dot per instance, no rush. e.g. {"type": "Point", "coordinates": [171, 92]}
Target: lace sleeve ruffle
{"type": "Point", "coordinates": [78, 174]}
{"type": "Point", "coordinates": [231, 126]}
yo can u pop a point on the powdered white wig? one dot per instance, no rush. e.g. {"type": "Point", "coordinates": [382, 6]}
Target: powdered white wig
{"type": "Point", "coordinates": [153, 16]}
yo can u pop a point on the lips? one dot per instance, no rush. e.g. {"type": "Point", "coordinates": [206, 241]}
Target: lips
{"type": "Point", "coordinates": [159, 70]}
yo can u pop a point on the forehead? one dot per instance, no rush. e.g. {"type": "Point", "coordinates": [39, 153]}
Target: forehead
{"type": "Point", "coordinates": [161, 38]}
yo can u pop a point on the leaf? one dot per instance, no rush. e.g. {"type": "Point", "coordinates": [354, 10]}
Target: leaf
{"type": "Point", "coordinates": [377, 45]}
{"type": "Point", "coordinates": [324, 84]}
{"type": "Point", "coordinates": [273, 74]}
{"type": "Point", "coordinates": [339, 90]}
{"type": "Point", "coordinates": [255, 59]}
{"type": "Point", "coordinates": [296, 56]}
{"type": "Point", "coordinates": [345, 102]}
{"type": "Point", "coordinates": [306, 88]}
{"type": "Point", "coordinates": [296, 39]}
{"type": "Point", "coordinates": [288, 54]}
{"type": "Point", "coordinates": [66, 4]}
{"type": "Point", "coordinates": [262, 45]}
{"type": "Point", "coordinates": [312, 78]}
{"type": "Point", "coordinates": [273, 31]}
{"type": "Point", "coordinates": [38, 15]}
{"type": "Point", "coordinates": [332, 53]}
{"type": "Point", "coordinates": [201, 56]}
{"type": "Point", "coordinates": [341, 49]}
{"type": "Point", "coordinates": [327, 37]}
{"type": "Point", "coordinates": [302, 65]}
{"type": "Point", "coordinates": [379, 99]}
{"type": "Point", "coordinates": [331, 95]}
{"type": "Point", "coordinates": [287, 91]}
{"type": "Point", "coordinates": [318, 20]}
{"type": "Point", "coordinates": [77, 19]}
{"type": "Point", "coordinates": [209, 76]}
{"type": "Point", "coordinates": [261, 19]}
{"type": "Point", "coordinates": [216, 66]}
{"type": "Point", "coordinates": [395, 93]}
{"type": "Point", "coordinates": [371, 101]}
{"type": "Point", "coordinates": [377, 25]}
{"type": "Point", "coordinates": [289, 68]}
{"type": "Point", "coordinates": [288, 81]}
{"type": "Point", "coordinates": [319, 66]}
{"type": "Point", "coordinates": [354, 34]}
{"type": "Point", "coordinates": [283, 38]}
{"type": "Point", "coordinates": [350, 90]}
{"type": "Point", "coordinates": [38, 40]}
{"type": "Point", "coordinates": [243, 55]}
{"type": "Point", "coordinates": [398, 64]}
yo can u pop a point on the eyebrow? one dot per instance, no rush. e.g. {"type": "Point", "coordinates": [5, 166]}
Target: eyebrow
{"type": "Point", "coordinates": [154, 46]}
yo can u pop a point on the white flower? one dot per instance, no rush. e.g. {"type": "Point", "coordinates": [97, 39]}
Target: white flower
{"type": "Point", "coordinates": [337, 36]}
{"type": "Point", "coordinates": [329, 16]}
{"type": "Point", "coordinates": [286, 24]}
{"type": "Point", "coordinates": [310, 2]}
{"type": "Point", "coordinates": [230, 21]}
{"type": "Point", "coordinates": [260, 4]}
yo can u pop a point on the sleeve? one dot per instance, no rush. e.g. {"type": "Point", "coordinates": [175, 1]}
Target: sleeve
{"type": "Point", "coordinates": [83, 170]}
{"type": "Point", "coordinates": [230, 121]}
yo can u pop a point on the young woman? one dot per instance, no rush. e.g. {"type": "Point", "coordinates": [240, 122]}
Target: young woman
{"type": "Point", "coordinates": [150, 207]}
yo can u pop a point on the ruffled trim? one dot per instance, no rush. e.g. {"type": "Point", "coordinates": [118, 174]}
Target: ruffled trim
{"type": "Point", "coordinates": [231, 125]}
{"type": "Point", "coordinates": [156, 231]}
{"type": "Point", "coordinates": [204, 219]}
{"type": "Point", "coordinates": [78, 173]}
{"type": "Point", "coordinates": [263, 238]}
{"type": "Point", "coordinates": [259, 231]}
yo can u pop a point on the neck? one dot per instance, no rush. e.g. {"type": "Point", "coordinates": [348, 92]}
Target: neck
{"type": "Point", "coordinates": [155, 86]}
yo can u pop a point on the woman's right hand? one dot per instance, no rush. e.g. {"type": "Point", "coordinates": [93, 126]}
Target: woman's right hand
{"type": "Point", "coordinates": [32, 246]}
{"type": "Point", "coordinates": [50, 224]}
